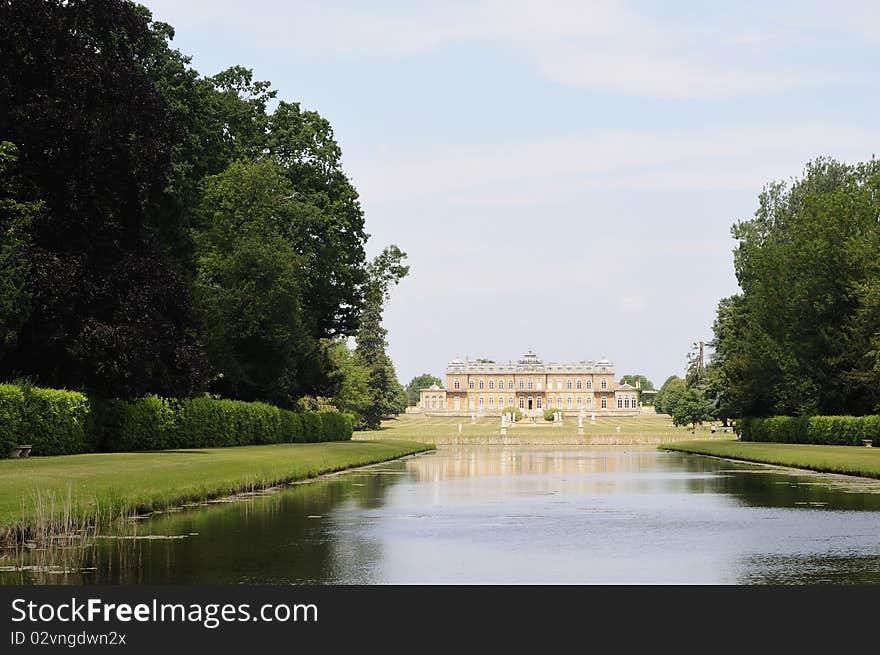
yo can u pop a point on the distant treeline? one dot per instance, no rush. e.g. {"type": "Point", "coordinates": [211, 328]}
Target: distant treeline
{"type": "Point", "coordinates": [164, 232]}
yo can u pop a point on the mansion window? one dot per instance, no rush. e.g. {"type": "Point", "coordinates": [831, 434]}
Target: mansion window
{"type": "Point", "coordinates": [558, 385]}
{"type": "Point", "coordinates": [580, 384]}
{"type": "Point", "coordinates": [500, 402]}
{"type": "Point", "coordinates": [539, 385]}
{"type": "Point", "coordinates": [491, 384]}
{"type": "Point", "coordinates": [491, 402]}
{"type": "Point", "coordinates": [619, 403]}
{"type": "Point", "coordinates": [604, 383]}
{"type": "Point", "coordinates": [626, 402]}
{"type": "Point", "coordinates": [471, 402]}
{"type": "Point", "coordinates": [580, 402]}
{"type": "Point", "coordinates": [549, 401]}
{"type": "Point", "coordinates": [568, 402]}
{"type": "Point", "coordinates": [470, 384]}
{"type": "Point", "coordinates": [589, 401]}
{"type": "Point", "coordinates": [589, 384]}
{"type": "Point", "coordinates": [559, 402]}
{"type": "Point", "coordinates": [500, 384]}
{"type": "Point", "coordinates": [531, 385]}
{"type": "Point", "coordinates": [539, 402]}
{"type": "Point", "coordinates": [481, 385]}
{"type": "Point", "coordinates": [481, 402]}
{"type": "Point", "coordinates": [510, 401]}
{"type": "Point", "coordinates": [604, 402]}
{"type": "Point", "coordinates": [457, 403]}
{"type": "Point", "coordinates": [521, 402]}
{"type": "Point", "coordinates": [509, 384]}
{"type": "Point", "coordinates": [457, 383]}
{"type": "Point", "coordinates": [568, 384]}
{"type": "Point", "coordinates": [521, 384]}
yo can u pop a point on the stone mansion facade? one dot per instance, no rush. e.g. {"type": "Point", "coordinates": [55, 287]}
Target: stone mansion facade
{"type": "Point", "coordinates": [532, 386]}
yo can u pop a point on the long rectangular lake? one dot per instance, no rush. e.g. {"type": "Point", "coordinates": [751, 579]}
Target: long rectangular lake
{"type": "Point", "coordinates": [500, 514]}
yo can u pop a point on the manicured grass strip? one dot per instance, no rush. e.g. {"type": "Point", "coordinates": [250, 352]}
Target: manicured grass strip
{"type": "Point", "coordinates": [645, 428]}
{"type": "Point", "coordinates": [848, 460]}
{"type": "Point", "coordinates": [104, 485]}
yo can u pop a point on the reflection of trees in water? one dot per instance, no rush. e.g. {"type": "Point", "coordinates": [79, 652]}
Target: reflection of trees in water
{"type": "Point", "coordinates": [263, 539]}
{"type": "Point", "coordinates": [813, 569]}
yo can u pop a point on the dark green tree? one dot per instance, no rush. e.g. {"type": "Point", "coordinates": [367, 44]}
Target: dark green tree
{"type": "Point", "coordinates": [387, 394]}
{"type": "Point", "coordinates": [15, 220]}
{"type": "Point", "coordinates": [108, 312]}
{"type": "Point", "coordinates": [804, 335]}
{"type": "Point", "coordinates": [248, 289]}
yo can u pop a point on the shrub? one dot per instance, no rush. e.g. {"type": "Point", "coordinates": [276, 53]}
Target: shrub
{"type": "Point", "coordinates": [549, 412]}
{"type": "Point", "coordinates": [11, 418]}
{"type": "Point", "coordinates": [517, 414]}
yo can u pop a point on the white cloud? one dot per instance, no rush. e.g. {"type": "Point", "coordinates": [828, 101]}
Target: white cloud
{"type": "Point", "coordinates": [600, 44]}
{"type": "Point", "coordinates": [690, 159]}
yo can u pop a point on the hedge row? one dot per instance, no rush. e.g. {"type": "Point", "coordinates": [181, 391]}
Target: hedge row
{"type": "Point", "coordinates": [57, 422]}
{"type": "Point", "coordinates": [52, 421]}
{"type": "Point", "coordinates": [154, 423]}
{"type": "Point", "coordinates": [830, 430]}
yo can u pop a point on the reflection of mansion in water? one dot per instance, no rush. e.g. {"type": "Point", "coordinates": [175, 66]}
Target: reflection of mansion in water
{"type": "Point", "coordinates": [532, 386]}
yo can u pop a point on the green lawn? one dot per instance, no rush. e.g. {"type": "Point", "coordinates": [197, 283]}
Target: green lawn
{"type": "Point", "coordinates": [643, 429]}
{"type": "Point", "coordinates": [34, 491]}
{"type": "Point", "coordinates": [849, 460]}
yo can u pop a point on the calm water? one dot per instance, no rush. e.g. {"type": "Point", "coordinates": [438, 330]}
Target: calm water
{"type": "Point", "coordinates": [512, 514]}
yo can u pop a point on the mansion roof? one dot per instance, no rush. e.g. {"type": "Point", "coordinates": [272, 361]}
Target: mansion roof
{"type": "Point", "coordinates": [528, 363]}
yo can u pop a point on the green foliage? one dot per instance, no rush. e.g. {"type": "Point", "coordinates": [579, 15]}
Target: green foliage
{"type": "Point", "coordinates": [689, 408]}
{"type": "Point", "coordinates": [517, 414]}
{"type": "Point", "coordinates": [814, 348]}
{"type": "Point", "coordinates": [549, 412]}
{"type": "Point", "coordinates": [641, 381]}
{"type": "Point", "coordinates": [154, 423]}
{"type": "Point", "coordinates": [11, 418]}
{"type": "Point", "coordinates": [669, 395]}
{"type": "Point", "coordinates": [15, 220]}
{"type": "Point", "coordinates": [387, 395]}
{"type": "Point", "coordinates": [55, 421]}
{"type": "Point", "coordinates": [828, 430]}
{"type": "Point", "coordinates": [106, 309]}
{"type": "Point", "coordinates": [419, 382]}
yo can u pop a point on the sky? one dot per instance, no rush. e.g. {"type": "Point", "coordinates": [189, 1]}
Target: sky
{"type": "Point", "coordinates": [562, 174]}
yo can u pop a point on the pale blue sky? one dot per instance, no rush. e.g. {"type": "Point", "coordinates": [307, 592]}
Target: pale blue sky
{"type": "Point", "coordinates": [562, 174]}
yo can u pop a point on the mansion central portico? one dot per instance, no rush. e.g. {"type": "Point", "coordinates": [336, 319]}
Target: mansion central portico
{"type": "Point", "coordinates": [532, 386]}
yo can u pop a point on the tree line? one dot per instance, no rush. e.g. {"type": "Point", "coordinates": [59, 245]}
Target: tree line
{"type": "Point", "coordinates": [168, 232]}
{"type": "Point", "coordinates": [802, 337]}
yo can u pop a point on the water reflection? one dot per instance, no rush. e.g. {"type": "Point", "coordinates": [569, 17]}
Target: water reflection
{"type": "Point", "coordinates": [507, 514]}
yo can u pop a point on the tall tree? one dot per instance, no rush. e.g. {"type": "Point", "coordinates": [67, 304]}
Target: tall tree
{"type": "Point", "coordinates": [248, 289]}
{"type": "Point", "coordinates": [387, 394]}
{"type": "Point", "coordinates": [108, 311]}
{"type": "Point", "coordinates": [804, 335]}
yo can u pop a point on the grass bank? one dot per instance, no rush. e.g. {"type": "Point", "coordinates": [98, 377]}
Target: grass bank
{"type": "Point", "coordinates": [848, 460]}
{"type": "Point", "coordinates": [645, 429]}
{"type": "Point", "coordinates": [44, 496]}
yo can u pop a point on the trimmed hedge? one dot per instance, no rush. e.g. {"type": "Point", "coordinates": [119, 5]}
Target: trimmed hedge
{"type": "Point", "coordinates": [60, 422]}
{"type": "Point", "coordinates": [827, 430]}
{"type": "Point", "coordinates": [154, 423]}
{"type": "Point", "coordinates": [55, 421]}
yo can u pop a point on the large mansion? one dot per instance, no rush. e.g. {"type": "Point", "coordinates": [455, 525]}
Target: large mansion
{"type": "Point", "coordinates": [532, 386]}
